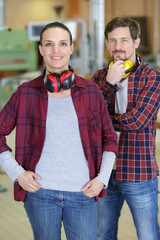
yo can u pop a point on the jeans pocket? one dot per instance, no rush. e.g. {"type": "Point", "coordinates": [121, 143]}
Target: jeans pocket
{"type": "Point", "coordinates": [31, 195]}
{"type": "Point", "coordinates": [84, 196]}
{"type": "Point", "coordinates": [38, 190]}
{"type": "Point", "coordinates": [154, 183]}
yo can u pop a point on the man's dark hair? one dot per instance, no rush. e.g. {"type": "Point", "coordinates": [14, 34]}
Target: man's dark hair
{"type": "Point", "coordinates": [133, 25]}
{"type": "Point", "coordinates": [55, 25]}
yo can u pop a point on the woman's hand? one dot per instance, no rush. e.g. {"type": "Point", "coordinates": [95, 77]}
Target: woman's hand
{"type": "Point", "coordinates": [27, 181]}
{"type": "Point", "coordinates": [93, 188]}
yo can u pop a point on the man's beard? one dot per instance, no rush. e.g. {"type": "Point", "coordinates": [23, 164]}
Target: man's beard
{"type": "Point", "coordinates": [119, 57]}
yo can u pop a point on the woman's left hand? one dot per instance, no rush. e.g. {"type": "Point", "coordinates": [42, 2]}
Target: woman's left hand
{"type": "Point", "coordinates": [93, 188]}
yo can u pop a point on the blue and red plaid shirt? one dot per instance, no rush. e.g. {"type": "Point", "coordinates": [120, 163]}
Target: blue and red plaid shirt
{"type": "Point", "coordinates": [136, 159]}
{"type": "Point", "coordinates": [27, 111]}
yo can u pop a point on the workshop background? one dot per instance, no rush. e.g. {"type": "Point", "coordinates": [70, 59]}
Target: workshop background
{"type": "Point", "coordinates": [20, 24]}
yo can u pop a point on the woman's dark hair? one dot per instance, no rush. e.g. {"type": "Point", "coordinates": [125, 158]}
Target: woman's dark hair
{"type": "Point", "coordinates": [55, 25]}
{"type": "Point", "coordinates": [133, 25]}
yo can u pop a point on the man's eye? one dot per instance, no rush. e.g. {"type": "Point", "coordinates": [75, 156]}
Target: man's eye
{"type": "Point", "coordinates": [112, 41]}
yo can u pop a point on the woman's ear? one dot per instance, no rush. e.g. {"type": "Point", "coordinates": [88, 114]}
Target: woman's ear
{"type": "Point", "coordinates": [40, 50]}
{"type": "Point", "coordinates": [72, 48]}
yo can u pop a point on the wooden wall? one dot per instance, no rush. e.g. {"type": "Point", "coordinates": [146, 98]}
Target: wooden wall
{"type": "Point", "coordinates": [136, 8]}
{"type": "Point", "coordinates": [19, 12]}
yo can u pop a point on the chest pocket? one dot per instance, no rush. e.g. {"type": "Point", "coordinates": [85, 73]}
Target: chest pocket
{"type": "Point", "coordinates": [92, 120]}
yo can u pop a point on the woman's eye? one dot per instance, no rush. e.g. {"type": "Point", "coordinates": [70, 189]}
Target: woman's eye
{"type": "Point", "coordinates": [48, 44]}
{"type": "Point", "coordinates": [63, 44]}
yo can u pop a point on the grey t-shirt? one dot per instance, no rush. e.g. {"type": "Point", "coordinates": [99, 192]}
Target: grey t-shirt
{"type": "Point", "coordinates": [62, 165]}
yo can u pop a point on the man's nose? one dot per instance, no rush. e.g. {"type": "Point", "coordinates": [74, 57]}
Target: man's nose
{"type": "Point", "coordinates": [118, 45]}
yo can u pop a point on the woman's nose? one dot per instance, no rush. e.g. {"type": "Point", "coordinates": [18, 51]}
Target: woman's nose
{"type": "Point", "coordinates": [55, 48]}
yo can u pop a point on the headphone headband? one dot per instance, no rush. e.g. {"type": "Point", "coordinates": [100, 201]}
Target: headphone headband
{"type": "Point", "coordinates": [44, 70]}
{"type": "Point", "coordinates": [138, 61]}
{"type": "Point", "coordinates": [55, 82]}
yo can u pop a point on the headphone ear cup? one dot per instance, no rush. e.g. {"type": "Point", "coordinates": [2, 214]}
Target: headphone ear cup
{"type": "Point", "coordinates": [67, 79]}
{"type": "Point", "coordinates": [53, 83]}
{"type": "Point", "coordinates": [110, 64]}
{"type": "Point", "coordinates": [129, 67]}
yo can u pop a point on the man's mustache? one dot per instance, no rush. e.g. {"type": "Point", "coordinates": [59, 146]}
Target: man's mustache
{"type": "Point", "coordinates": [118, 56]}
{"type": "Point", "coordinates": [118, 51]}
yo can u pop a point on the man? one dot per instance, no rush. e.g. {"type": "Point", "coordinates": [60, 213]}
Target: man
{"type": "Point", "coordinates": [133, 100]}
{"type": "Point", "coordinates": [62, 130]}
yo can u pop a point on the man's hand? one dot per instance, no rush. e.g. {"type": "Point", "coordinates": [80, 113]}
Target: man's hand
{"type": "Point", "coordinates": [115, 72]}
{"type": "Point", "coordinates": [93, 188]}
{"type": "Point", "coordinates": [27, 181]}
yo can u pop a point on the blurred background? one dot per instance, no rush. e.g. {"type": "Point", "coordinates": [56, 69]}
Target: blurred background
{"type": "Point", "coordinates": [20, 24]}
{"type": "Point", "coordinates": [22, 20]}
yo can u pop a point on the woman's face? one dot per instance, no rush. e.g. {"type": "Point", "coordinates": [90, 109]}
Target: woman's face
{"type": "Point", "coordinates": [56, 49]}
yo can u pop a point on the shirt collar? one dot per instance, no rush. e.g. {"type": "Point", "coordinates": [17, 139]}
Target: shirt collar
{"type": "Point", "coordinates": [79, 82]}
{"type": "Point", "coordinates": [37, 82]}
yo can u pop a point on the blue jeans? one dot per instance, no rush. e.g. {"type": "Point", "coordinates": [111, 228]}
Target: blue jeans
{"type": "Point", "coordinates": [46, 209]}
{"type": "Point", "coordinates": [142, 199]}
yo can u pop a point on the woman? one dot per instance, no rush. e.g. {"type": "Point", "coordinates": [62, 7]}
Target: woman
{"type": "Point", "coordinates": [63, 128]}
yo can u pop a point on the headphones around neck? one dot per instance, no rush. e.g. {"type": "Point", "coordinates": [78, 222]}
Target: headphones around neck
{"type": "Point", "coordinates": [55, 82]}
{"type": "Point", "coordinates": [128, 65]}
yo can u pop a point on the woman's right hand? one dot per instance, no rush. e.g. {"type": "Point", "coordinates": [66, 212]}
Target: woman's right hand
{"type": "Point", "coordinates": [27, 181]}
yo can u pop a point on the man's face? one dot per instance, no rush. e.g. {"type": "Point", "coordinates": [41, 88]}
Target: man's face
{"type": "Point", "coordinates": [56, 49]}
{"type": "Point", "coordinates": [121, 45]}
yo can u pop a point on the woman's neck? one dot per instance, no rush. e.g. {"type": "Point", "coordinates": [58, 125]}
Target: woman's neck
{"type": "Point", "coordinates": [61, 94]}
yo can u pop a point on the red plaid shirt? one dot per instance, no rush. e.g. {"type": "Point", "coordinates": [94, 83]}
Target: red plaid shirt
{"type": "Point", "coordinates": [27, 111]}
{"type": "Point", "coordinates": [136, 159]}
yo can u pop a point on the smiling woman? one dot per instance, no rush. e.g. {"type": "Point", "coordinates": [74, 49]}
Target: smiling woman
{"type": "Point", "coordinates": [65, 144]}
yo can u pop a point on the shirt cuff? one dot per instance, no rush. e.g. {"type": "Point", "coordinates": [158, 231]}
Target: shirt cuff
{"type": "Point", "coordinates": [108, 159]}
{"type": "Point", "coordinates": [10, 165]}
